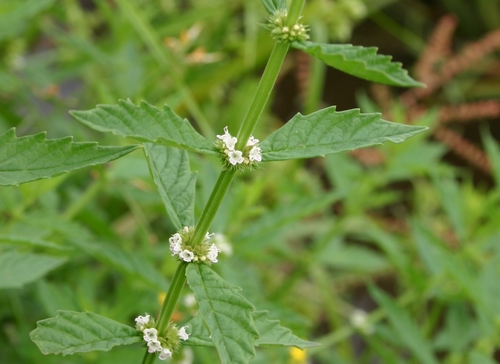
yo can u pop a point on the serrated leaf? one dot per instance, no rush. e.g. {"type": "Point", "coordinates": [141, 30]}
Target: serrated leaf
{"type": "Point", "coordinates": [327, 131]}
{"type": "Point", "coordinates": [362, 62]}
{"type": "Point", "coordinates": [407, 330]}
{"type": "Point", "coordinates": [34, 157]}
{"type": "Point", "coordinates": [80, 332]}
{"type": "Point", "coordinates": [147, 124]}
{"type": "Point", "coordinates": [20, 268]}
{"type": "Point", "coordinates": [175, 182]}
{"type": "Point", "coordinates": [270, 331]}
{"type": "Point", "coordinates": [226, 313]}
{"type": "Point", "coordinates": [273, 5]}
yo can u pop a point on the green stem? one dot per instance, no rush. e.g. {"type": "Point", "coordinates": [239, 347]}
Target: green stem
{"type": "Point", "coordinates": [262, 94]}
{"type": "Point", "coordinates": [174, 291]}
{"type": "Point", "coordinates": [294, 12]}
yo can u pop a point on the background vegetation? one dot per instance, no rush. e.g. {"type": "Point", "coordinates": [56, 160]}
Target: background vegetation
{"type": "Point", "coordinates": [386, 255]}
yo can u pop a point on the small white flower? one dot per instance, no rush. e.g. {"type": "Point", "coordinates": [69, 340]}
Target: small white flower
{"type": "Point", "coordinates": [153, 346]}
{"type": "Point", "coordinates": [165, 353]}
{"type": "Point", "coordinates": [141, 321]}
{"type": "Point", "coordinates": [150, 335]}
{"type": "Point", "coordinates": [252, 141]}
{"type": "Point", "coordinates": [235, 157]}
{"type": "Point", "coordinates": [223, 244]}
{"type": "Point", "coordinates": [228, 140]}
{"type": "Point", "coordinates": [175, 248]}
{"type": "Point", "coordinates": [255, 154]}
{"type": "Point", "coordinates": [189, 300]}
{"type": "Point", "coordinates": [212, 253]}
{"type": "Point", "coordinates": [182, 334]}
{"type": "Point", "coordinates": [175, 239]}
{"type": "Point", "coordinates": [359, 319]}
{"type": "Point", "coordinates": [186, 255]}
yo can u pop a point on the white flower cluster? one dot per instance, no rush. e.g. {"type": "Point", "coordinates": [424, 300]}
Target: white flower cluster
{"type": "Point", "coordinates": [155, 343]}
{"type": "Point", "coordinates": [180, 247]}
{"type": "Point", "coordinates": [249, 156]}
{"type": "Point", "coordinates": [281, 32]}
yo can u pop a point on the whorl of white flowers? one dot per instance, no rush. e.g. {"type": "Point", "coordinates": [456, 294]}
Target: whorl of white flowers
{"type": "Point", "coordinates": [282, 32]}
{"type": "Point", "coordinates": [180, 247]}
{"type": "Point", "coordinates": [164, 345]}
{"type": "Point", "coordinates": [233, 158]}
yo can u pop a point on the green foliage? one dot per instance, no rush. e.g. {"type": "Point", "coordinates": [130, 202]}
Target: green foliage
{"type": "Point", "coordinates": [74, 332]}
{"type": "Point", "coordinates": [227, 314]}
{"type": "Point", "coordinates": [176, 184]}
{"type": "Point", "coordinates": [327, 131]}
{"type": "Point", "coordinates": [362, 62]}
{"type": "Point", "coordinates": [34, 157]}
{"type": "Point", "coordinates": [273, 5]}
{"type": "Point", "coordinates": [145, 123]}
{"type": "Point", "coordinates": [18, 269]}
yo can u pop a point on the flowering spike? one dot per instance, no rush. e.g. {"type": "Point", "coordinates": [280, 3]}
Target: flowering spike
{"type": "Point", "coordinates": [240, 159]}
{"type": "Point", "coordinates": [282, 32]}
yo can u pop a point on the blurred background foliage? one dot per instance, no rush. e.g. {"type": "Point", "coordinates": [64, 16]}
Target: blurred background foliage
{"type": "Point", "coordinates": [383, 255]}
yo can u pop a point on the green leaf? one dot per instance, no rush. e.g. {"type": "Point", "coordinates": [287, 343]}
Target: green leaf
{"type": "Point", "coordinates": [147, 124]}
{"type": "Point", "coordinates": [273, 334]}
{"type": "Point", "coordinates": [34, 157]}
{"type": "Point", "coordinates": [273, 5]}
{"type": "Point", "coordinates": [362, 62]}
{"type": "Point", "coordinates": [408, 332]}
{"type": "Point", "coordinates": [227, 314]}
{"type": "Point", "coordinates": [74, 332]}
{"type": "Point", "coordinates": [176, 183]}
{"type": "Point", "coordinates": [270, 331]}
{"type": "Point", "coordinates": [18, 269]}
{"type": "Point", "coordinates": [327, 131]}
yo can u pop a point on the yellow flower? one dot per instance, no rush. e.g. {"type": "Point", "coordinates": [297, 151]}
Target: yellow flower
{"type": "Point", "coordinates": [297, 356]}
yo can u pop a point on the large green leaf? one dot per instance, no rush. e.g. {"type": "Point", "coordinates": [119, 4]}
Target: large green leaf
{"type": "Point", "coordinates": [227, 314]}
{"type": "Point", "coordinates": [362, 62]}
{"type": "Point", "coordinates": [34, 157]}
{"type": "Point", "coordinates": [146, 123]}
{"type": "Point", "coordinates": [80, 332]}
{"type": "Point", "coordinates": [19, 268]}
{"type": "Point", "coordinates": [176, 183]}
{"type": "Point", "coordinates": [270, 331]}
{"type": "Point", "coordinates": [327, 131]}
{"type": "Point", "coordinates": [408, 332]}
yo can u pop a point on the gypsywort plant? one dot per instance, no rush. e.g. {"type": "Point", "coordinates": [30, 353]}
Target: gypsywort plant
{"type": "Point", "coordinates": [226, 320]}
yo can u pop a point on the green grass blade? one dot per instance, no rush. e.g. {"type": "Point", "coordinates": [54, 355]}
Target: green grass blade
{"type": "Point", "coordinates": [175, 182]}
{"type": "Point", "coordinates": [227, 314]}
{"type": "Point", "coordinates": [362, 62]}
{"type": "Point", "coordinates": [18, 269]}
{"type": "Point", "coordinates": [146, 123]}
{"type": "Point", "coordinates": [74, 332]}
{"type": "Point", "coordinates": [327, 131]}
{"type": "Point", "coordinates": [33, 157]}
{"type": "Point", "coordinates": [405, 327]}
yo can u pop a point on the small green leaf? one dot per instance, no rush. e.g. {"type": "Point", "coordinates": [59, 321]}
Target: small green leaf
{"type": "Point", "coordinates": [147, 124]}
{"type": "Point", "coordinates": [362, 62]}
{"type": "Point", "coordinates": [34, 157]}
{"type": "Point", "coordinates": [74, 332]}
{"type": "Point", "coordinates": [273, 334]}
{"type": "Point", "coordinates": [227, 314]}
{"type": "Point", "coordinates": [273, 5]}
{"type": "Point", "coordinates": [18, 269]}
{"type": "Point", "coordinates": [408, 331]}
{"type": "Point", "coordinates": [327, 131]}
{"type": "Point", "coordinates": [176, 183]}
{"type": "Point", "coordinates": [270, 331]}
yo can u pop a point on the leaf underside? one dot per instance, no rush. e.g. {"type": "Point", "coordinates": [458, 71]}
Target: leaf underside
{"type": "Point", "coordinates": [33, 157]}
{"type": "Point", "coordinates": [147, 124]}
{"type": "Point", "coordinates": [327, 131]}
{"type": "Point", "coordinates": [226, 313]}
{"type": "Point", "coordinates": [362, 62]}
{"type": "Point", "coordinates": [175, 182]}
{"type": "Point", "coordinates": [74, 332]}
{"type": "Point", "coordinates": [270, 331]}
